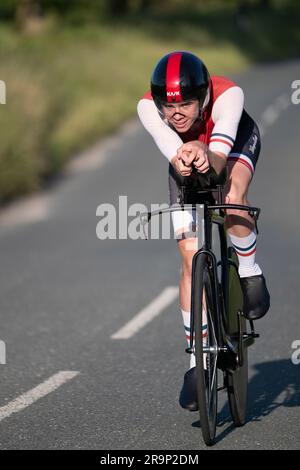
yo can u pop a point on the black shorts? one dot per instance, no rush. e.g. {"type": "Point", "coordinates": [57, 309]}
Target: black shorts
{"type": "Point", "coordinates": [246, 150]}
{"type": "Point", "coordinates": [247, 144]}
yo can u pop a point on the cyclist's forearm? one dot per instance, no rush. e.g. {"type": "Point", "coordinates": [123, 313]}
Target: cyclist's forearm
{"type": "Point", "coordinates": [217, 161]}
{"type": "Point", "coordinates": [165, 138]}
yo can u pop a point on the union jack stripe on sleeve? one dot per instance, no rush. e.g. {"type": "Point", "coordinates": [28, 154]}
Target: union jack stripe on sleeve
{"type": "Point", "coordinates": [221, 142]}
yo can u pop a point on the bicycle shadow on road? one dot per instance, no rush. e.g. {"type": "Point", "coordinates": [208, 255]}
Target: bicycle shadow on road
{"type": "Point", "coordinates": [275, 384]}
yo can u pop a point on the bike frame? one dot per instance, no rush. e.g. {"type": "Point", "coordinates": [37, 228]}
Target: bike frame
{"type": "Point", "coordinates": [228, 337]}
{"type": "Point", "coordinates": [207, 216]}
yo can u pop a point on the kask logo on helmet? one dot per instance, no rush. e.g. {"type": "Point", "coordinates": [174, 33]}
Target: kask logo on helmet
{"type": "Point", "coordinates": [173, 93]}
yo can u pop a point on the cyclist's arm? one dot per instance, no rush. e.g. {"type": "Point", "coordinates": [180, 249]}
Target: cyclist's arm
{"type": "Point", "coordinates": [165, 138]}
{"type": "Point", "coordinates": [217, 160]}
{"type": "Point", "coordinates": [226, 115]}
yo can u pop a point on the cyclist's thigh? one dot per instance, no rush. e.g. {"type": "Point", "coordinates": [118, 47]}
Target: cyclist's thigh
{"type": "Point", "coordinates": [238, 181]}
{"type": "Point", "coordinates": [246, 149]}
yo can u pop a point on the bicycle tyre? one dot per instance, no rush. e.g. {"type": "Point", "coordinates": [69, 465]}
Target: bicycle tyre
{"type": "Point", "coordinates": [236, 378]}
{"type": "Point", "coordinates": [237, 388]}
{"type": "Point", "coordinates": [207, 378]}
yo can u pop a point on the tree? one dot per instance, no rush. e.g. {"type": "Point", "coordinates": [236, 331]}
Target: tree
{"type": "Point", "coordinates": [265, 3]}
{"type": "Point", "coordinates": [27, 10]}
{"type": "Point", "coordinates": [118, 7]}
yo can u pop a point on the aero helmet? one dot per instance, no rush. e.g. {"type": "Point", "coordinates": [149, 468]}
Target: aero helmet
{"type": "Point", "coordinates": [180, 76]}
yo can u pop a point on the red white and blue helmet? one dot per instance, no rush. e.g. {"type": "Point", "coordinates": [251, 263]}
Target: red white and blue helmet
{"type": "Point", "coordinates": [180, 76]}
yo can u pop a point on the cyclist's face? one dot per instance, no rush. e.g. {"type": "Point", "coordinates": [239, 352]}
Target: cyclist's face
{"type": "Point", "coordinates": [181, 115]}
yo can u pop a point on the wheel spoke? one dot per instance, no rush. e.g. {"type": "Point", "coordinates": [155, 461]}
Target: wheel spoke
{"type": "Point", "coordinates": [206, 349]}
{"type": "Point", "coordinates": [212, 355]}
{"type": "Point", "coordinates": [212, 345]}
{"type": "Point", "coordinates": [214, 374]}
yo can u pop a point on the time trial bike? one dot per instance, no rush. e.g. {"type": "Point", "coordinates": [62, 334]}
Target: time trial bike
{"type": "Point", "coordinates": [216, 301]}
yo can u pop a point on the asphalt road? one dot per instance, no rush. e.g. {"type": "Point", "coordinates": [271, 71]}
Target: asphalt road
{"type": "Point", "coordinates": [64, 293]}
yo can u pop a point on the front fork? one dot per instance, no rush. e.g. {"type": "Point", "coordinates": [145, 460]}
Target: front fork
{"type": "Point", "coordinates": [215, 294]}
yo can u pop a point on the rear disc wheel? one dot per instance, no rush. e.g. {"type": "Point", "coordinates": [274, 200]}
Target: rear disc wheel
{"type": "Point", "coordinates": [237, 388]}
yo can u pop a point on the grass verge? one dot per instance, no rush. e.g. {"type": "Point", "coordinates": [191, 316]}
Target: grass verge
{"type": "Point", "coordinates": [69, 85]}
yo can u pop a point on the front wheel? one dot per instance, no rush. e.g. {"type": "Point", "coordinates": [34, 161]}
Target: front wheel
{"type": "Point", "coordinates": [206, 344]}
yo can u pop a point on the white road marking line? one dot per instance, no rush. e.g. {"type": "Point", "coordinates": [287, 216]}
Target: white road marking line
{"type": "Point", "coordinates": [28, 398]}
{"type": "Point", "coordinates": [273, 112]}
{"type": "Point", "coordinates": [146, 315]}
{"type": "Point", "coordinates": [94, 157]}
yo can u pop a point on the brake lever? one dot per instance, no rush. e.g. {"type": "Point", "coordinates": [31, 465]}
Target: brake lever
{"type": "Point", "coordinates": [255, 215]}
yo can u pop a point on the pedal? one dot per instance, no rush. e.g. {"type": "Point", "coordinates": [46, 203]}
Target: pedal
{"type": "Point", "coordinates": [253, 334]}
{"type": "Point", "coordinates": [189, 350]}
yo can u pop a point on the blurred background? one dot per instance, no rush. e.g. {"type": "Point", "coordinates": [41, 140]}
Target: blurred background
{"type": "Point", "coordinates": [58, 59]}
{"type": "Point", "coordinates": [74, 72]}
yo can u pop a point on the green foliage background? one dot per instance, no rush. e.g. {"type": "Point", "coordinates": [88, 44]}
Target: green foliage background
{"type": "Point", "coordinates": [74, 70]}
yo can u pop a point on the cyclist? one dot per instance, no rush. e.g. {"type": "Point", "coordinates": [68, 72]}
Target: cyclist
{"type": "Point", "coordinates": [200, 125]}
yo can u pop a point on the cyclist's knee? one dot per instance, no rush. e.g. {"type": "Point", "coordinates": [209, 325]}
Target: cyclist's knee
{"type": "Point", "coordinates": [235, 192]}
{"type": "Point", "coordinates": [235, 195]}
{"type": "Point", "coordinates": [188, 247]}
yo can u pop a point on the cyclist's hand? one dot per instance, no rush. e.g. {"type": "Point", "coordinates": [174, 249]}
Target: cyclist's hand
{"type": "Point", "coordinates": [201, 162]}
{"type": "Point", "coordinates": [196, 153]}
{"type": "Point", "coordinates": [188, 152]}
{"type": "Point", "coordinates": [181, 167]}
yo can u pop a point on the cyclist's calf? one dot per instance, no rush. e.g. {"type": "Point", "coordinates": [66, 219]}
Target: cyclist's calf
{"type": "Point", "coordinates": [187, 248]}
